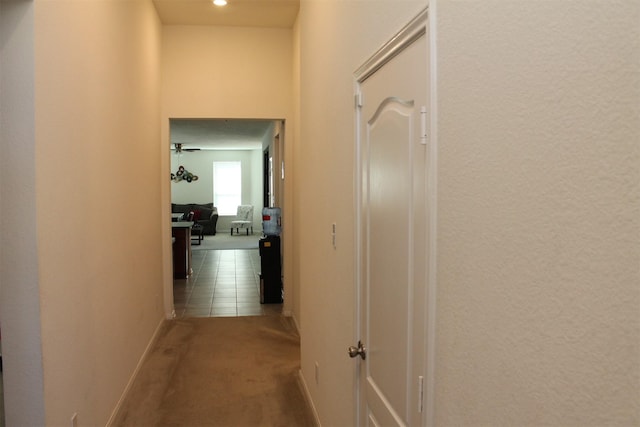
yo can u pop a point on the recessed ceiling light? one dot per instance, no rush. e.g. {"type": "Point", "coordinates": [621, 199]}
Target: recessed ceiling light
{"type": "Point", "coordinates": [220, 2]}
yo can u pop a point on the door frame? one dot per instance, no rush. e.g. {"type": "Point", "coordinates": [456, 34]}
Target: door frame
{"type": "Point", "coordinates": [167, 273]}
{"type": "Point", "coordinates": [422, 23]}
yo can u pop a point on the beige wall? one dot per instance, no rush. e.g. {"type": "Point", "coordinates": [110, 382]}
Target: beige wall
{"type": "Point", "coordinates": [224, 72]}
{"type": "Point", "coordinates": [96, 162]}
{"type": "Point", "coordinates": [98, 170]}
{"type": "Point", "coordinates": [538, 207]}
{"type": "Point", "coordinates": [539, 225]}
{"type": "Point", "coordinates": [335, 39]}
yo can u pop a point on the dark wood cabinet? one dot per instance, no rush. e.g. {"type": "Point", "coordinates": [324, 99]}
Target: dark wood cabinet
{"type": "Point", "coordinates": [181, 232]}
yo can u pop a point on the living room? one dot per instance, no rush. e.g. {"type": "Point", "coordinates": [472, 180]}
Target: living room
{"type": "Point", "coordinates": [201, 146]}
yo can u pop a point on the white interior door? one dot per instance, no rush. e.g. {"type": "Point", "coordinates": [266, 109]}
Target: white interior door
{"type": "Point", "coordinates": [393, 238]}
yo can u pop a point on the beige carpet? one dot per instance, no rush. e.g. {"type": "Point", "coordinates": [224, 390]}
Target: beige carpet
{"type": "Point", "coordinates": [220, 371]}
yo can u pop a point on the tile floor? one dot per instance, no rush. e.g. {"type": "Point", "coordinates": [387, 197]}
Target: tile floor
{"type": "Point", "coordinates": [223, 283]}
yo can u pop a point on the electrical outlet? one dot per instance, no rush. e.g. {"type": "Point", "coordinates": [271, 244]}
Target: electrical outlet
{"type": "Point", "coordinates": [74, 420]}
{"type": "Point", "coordinates": [317, 373]}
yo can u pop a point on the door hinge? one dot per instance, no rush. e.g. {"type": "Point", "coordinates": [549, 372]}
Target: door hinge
{"type": "Point", "coordinates": [358, 100]}
{"type": "Point", "coordinates": [424, 139]}
{"type": "Point", "coordinates": [420, 392]}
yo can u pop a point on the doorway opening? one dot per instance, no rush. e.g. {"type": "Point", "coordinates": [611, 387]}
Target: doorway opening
{"type": "Point", "coordinates": [222, 276]}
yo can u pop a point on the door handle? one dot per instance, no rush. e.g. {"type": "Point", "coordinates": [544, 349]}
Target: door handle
{"type": "Point", "coordinates": [360, 350]}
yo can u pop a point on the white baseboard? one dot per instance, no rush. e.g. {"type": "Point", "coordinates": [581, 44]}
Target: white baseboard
{"type": "Point", "coordinates": [307, 397]}
{"type": "Point", "coordinates": [289, 314]}
{"type": "Point", "coordinates": [302, 383]}
{"type": "Point", "coordinates": [152, 341]}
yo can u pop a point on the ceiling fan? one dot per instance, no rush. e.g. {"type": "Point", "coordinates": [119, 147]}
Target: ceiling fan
{"type": "Point", "coordinates": [180, 149]}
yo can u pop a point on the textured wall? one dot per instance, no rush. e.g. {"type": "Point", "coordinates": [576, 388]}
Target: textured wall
{"type": "Point", "coordinates": [539, 213]}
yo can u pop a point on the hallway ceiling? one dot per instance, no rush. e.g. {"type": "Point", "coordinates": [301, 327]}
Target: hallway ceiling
{"type": "Point", "coordinates": [237, 13]}
{"type": "Point", "coordinates": [219, 134]}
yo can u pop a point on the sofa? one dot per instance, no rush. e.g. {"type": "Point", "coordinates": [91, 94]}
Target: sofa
{"type": "Point", "coordinates": [204, 214]}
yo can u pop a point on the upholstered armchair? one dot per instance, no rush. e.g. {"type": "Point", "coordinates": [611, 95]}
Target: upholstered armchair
{"type": "Point", "coordinates": [244, 219]}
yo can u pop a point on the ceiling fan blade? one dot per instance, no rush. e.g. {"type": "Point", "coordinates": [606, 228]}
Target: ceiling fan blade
{"type": "Point", "coordinates": [179, 148]}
